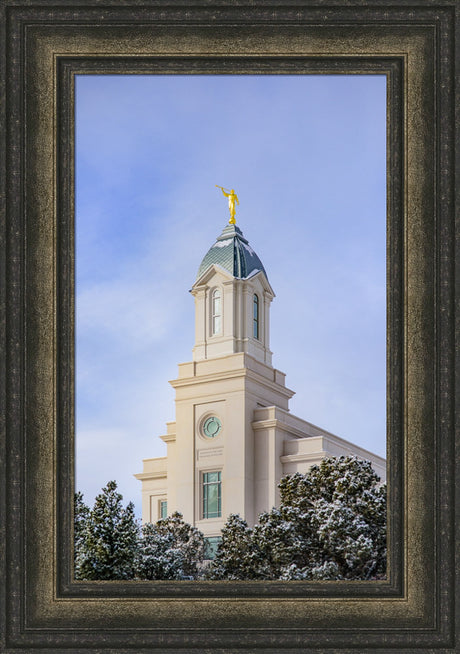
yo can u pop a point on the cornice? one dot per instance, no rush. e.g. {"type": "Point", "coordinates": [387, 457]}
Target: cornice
{"type": "Point", "coordinates": [168, 438]}
{"type": "Point", "coordinates": [143, 476]}
{"type": "Point", "coordinates": [232, 374]}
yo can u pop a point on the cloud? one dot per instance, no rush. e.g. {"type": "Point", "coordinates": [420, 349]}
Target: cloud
{"type": "Point", "coordinates": [306, 155]}
{"type": "Point", "coordinates": [113, 454]}
{"type": "Point", "coordinates": [125, 311]}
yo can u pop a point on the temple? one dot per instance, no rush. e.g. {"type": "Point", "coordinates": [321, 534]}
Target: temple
{"type": "Point", "coordinates": [233, 437]}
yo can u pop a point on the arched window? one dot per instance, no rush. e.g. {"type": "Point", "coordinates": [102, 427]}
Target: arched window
{"type": "Point", "coordinates": [255, 321]}
{"type": "Point", "coordinates": [216, 311]}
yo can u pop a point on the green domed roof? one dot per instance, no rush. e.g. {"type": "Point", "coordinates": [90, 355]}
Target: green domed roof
{"type": "Point", "coordinates": [232, 252]}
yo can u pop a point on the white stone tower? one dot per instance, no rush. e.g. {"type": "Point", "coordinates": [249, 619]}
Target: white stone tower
{"type": "Point", "coordinates": [233, 437]}
{"type": "Point", "coordinates": [232, 301]}
{"type": "Point", "coordinates": [211, 452]}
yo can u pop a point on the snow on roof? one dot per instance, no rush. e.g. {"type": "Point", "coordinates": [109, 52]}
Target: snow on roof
{"type": "Point", "coordinates": [248, 247]}
{"type": "Point", "coordinates": [222, 244]}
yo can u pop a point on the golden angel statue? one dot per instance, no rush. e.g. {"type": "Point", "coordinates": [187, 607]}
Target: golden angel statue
{"type": "Point", "coordinates": [232, 197]}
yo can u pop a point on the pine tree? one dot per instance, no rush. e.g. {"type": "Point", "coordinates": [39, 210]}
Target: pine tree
{"type": "Point", "coordinates": [284, 538]}
{"type": "Point", "coordinates": [110, 539]}
{"type": "Point", "coordinates": [349, 516]}
{"type": "Point", "coordinates": [189, 540]}
{"type": "Point", "coordinates": [237, 556]}
{"type": "Point", "coordinates": [81, 515]}
{"type": "Point", "coordinates": [159, 556]}
{"type": "Point", "coordinates": [331, 524]}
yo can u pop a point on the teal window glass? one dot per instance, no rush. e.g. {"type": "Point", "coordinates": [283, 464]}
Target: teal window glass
{"type": "Point", "coordinates": [216, 312]}
{"type": "Point", "coordinates": [163, 509]}
{"type": "Point", "coordinates": [211, 545]}
{"type": "Point", "coordinates": [212, 427]}
{"type": "Point", "coordinates": [256, 317]}
{"type": "Point", "coordinates": [212, 495]}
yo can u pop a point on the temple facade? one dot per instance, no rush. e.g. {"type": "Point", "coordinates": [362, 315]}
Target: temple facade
{"type": "Point", "coordinates": [233, 437]}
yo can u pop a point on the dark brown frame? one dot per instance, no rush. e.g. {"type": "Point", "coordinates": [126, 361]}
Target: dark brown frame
{"type": "Point", "coordinates": [46, 44]}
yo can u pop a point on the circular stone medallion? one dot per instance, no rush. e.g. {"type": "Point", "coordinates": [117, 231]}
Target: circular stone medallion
{"type": "Point", "coordinates": [211, 427]}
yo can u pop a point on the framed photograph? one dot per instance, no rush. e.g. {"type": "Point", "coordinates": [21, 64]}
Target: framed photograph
{"type": "Point", "coordinates": [307, 154]}
{"type": "Point", "coordinates": [50, 51]}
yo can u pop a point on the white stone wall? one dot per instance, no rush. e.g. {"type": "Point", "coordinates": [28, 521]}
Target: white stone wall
{"type": "Point", "coordinates": [236, 334]}
{"type": "Point", "coordinates": [231, 377]}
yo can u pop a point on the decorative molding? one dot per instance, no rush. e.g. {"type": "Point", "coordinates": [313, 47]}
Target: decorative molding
{"type": "Point", "coordinates": [208, 453]}
{"type": "Point", "coordinates": [168, 438]}
{"type": "Point", "coordinates": [311, 456]}
{"type": "Point", "coordinates": [158, 474]}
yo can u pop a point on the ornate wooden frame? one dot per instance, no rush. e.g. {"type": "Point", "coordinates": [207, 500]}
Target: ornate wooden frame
{"type": "Point", "coordinates": [46, 44]}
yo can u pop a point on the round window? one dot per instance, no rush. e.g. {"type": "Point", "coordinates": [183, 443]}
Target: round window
{"type": "Point", "coordinates": [211, 427]}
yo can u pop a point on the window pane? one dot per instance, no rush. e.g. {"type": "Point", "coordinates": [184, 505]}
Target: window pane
{"type": "Point", "coordinates": [163, 509]}
{"type": "Point", "coordinates": [212, 500]}
{"type": "Point", "coordinates": [216, 312]}
{"type": "Point", "coordinates": [256, 317]}
{"type": "Point", "coordinates": [212, 543]}
{"type": "Point", "coordinates": [216, 324]}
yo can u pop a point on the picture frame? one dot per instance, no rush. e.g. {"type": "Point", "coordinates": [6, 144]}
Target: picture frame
{"type": "Point", "coordinates": [42, 606]}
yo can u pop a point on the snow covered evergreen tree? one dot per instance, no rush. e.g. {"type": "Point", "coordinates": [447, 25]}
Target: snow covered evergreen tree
{"type": "Point", "coordinates": [159, 555]}
{"type": "Point", "coordinates": [186, 539]}
{"type": "Point", "coordinates": [349, 516]}
{"type": "Point", "coordinates": [331, 524]}
{"type": "Point", "coordinates": [81, 514]}
{"type": "Point", "coordinates": [237, 555]}
{"type": "Point", "coordinates": [110, 538]}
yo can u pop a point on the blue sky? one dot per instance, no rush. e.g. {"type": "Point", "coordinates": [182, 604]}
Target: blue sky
{"type": "Point", "coordinates": [306, 156]}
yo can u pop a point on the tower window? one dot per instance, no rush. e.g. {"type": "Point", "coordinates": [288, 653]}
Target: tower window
{"type": "Point", "coordinates": [216, 311]}
{"type": "Point", "coordinates": [212, 494]}
{"type": "Point", "coordinates": [256, 321]}
{"type": "Point", "coordinates": [163, 509]}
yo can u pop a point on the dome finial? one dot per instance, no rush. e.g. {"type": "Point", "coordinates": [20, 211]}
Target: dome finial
{"type": "Point", "coordinates": [232, 196]}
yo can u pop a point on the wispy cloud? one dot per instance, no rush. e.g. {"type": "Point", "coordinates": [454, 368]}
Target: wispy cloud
{"type": "Point", "coordinates": [306, 155]}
